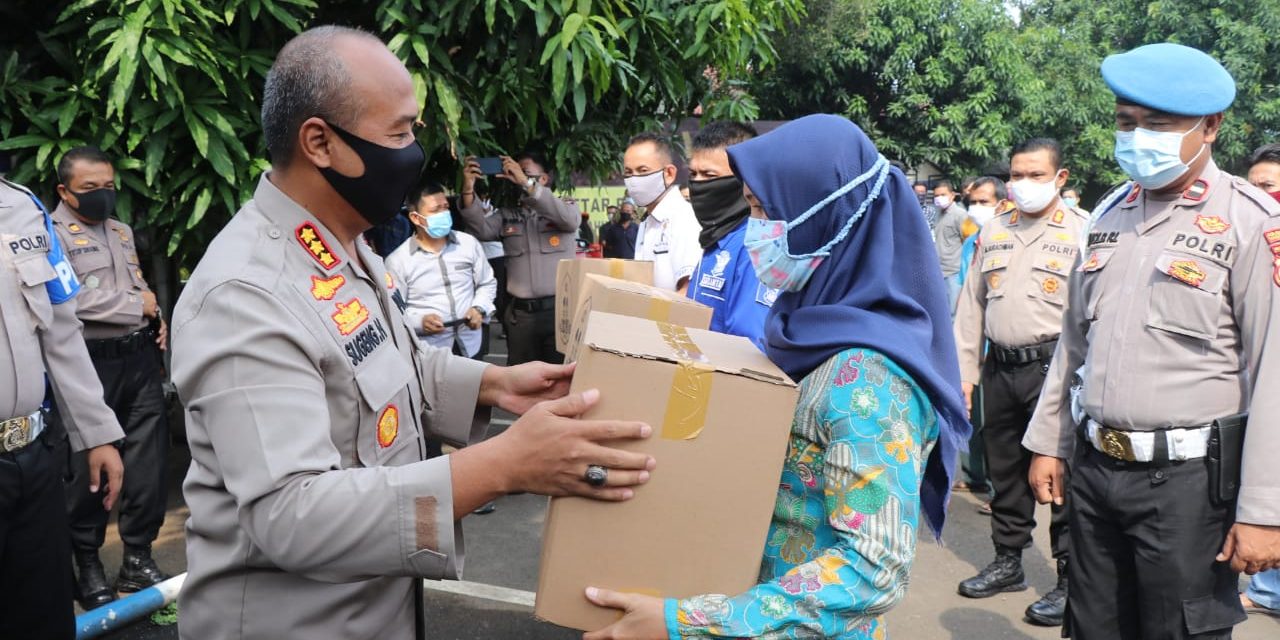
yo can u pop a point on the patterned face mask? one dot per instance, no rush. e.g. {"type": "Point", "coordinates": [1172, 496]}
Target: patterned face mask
{"type": "Point", "coordinates": [766, 240]}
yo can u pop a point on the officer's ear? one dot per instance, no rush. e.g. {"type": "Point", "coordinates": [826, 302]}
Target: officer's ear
{"type": "Point", "coordinates": [669, 173]}
{"type": "Point", "coordinates": [64, 194]}
{"type": "Point", "coordinates": [1212, 125]}
{"type": "Point", "coordinates": [315, 142]}
{"type": "Point", "coordinates": [1063, 175]}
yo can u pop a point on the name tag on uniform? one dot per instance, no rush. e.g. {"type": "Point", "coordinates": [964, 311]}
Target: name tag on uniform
{"type": "Point", "coordinates": [512, 230]}
{"type": "Point", "coordinates": [708, 281]}
{"type": "Point", "coordinates": [660, 248]}
{"type": "Point", "coordinates": [765, 295]}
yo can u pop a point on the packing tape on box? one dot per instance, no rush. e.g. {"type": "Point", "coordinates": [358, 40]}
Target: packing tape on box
{"type": "Point", "coordinates": [690, 388]}
{"type": "Point", "coordinates": [659, 309]}
{"type": "Point", "coordinates": [615, 268]}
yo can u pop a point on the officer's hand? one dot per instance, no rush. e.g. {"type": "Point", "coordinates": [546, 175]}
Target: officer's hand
{"type": "Point", "coordinates": [1251, 548]}
{"type": "Point", "coordinates": [432, 324]}
{"type": "Point", "coordinates": [470, 173]}
{"type": "Point", "coordinates": [106, 459]}
{"type": "Point", "coordinates": [162, 335]}
{"type": "Point", "coordinates": [968, 396]}
{"type": "Point", "coordinates": [149, 304]}
{"type": "Point", "coordinates": [549, 450]}
{"type": "Point", "coordinates": [643, 617]}
{"type": "Point", "coordinates": [474, 318]}
{"type": "Point", "coordinates": [512, 172]}
{"type": "Point", "coordinates": [1046, 478]}
{"type": "Point", "coordinates": [519, 388]}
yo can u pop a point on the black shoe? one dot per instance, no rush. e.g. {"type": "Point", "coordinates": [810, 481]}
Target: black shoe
{"type": "Point", "coordinates": [1049, 610]}
{"type": "Point", "coordinates": [486, 509]}
{"type": "Point", "coordinates": [138, 571]}
{"type": "Point", "coordinates": [1002, 575]}
{"type": "Point", "coordinates": [92, 590]}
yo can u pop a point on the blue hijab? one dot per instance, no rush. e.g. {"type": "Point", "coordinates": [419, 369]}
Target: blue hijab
{"type": "Point", "coordinates": [881, 287]}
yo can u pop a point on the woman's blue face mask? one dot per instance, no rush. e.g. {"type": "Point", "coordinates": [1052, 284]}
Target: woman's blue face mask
{"type": "Point", "coordinates": [766, 240]}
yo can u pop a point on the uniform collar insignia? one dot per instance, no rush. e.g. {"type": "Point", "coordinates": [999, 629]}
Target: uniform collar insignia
{"type": "Point", "coordinates": [1197, 191]}
{"type": "Point", "coordinates": [1133, 194]}
{"type": "Point", "coordinates": [1058, 217]}
{"type": "Point", "coordinates": [313, 241]}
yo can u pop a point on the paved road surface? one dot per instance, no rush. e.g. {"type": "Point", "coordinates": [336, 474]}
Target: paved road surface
{"type": "Point", "coordinates": [503, 549]}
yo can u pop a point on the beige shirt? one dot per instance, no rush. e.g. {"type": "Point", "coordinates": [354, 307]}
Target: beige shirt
{"type": "Point", "coordinates": [1169, 314]}
{"type": "Point", "coordinates": [38, 336]}
{"type": "Point", "coordinates": [106, 262]}
{"type": "Point", "coordinates": [535, 238]}
{"type": "Point", "coordinates": [307, 398]}
{"type": "Point", "coordinates": [1018, 284]}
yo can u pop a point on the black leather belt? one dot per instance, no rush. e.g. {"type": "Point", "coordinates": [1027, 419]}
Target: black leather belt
{"type": "Point", "coordinates": [122, 346]}
{"type": "Point", "coordinates": [1023, 355]}
{"type": "Point", "coordinates": [534, 305]}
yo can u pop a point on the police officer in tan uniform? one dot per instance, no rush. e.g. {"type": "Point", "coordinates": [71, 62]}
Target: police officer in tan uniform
{"type": "Point", "coordinates": [40, 340]}
{"type": "Point", "coordinates": [1011, 310]}
{"type": "Point", "coordinates": [1170, 330]}
{"type": "Point", "coordinates": [535, 236]}
{"type": "Point", "coordinates": [124, 333]}
{"type": "Point", "coordinates": [314, 511]}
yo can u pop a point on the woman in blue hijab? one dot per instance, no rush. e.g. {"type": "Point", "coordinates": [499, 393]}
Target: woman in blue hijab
{"type": "Point", "coordinates": [863, 323]}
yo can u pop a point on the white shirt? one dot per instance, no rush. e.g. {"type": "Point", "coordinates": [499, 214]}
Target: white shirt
{"type": "Point", "coordinates": [669, 237]}
{"type": "Point", "coordinates": [445, 284]}
{"type": "Point", "coordinates": [493, 248]}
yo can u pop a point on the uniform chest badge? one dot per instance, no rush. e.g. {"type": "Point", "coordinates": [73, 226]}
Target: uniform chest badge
{"type": "Point", "coordinates": [326, 288]}
{"type": "Point", "coordinates": [1062, 236]}
{"type": "Point", "coordinates": [1273, 240]}
{"type": "Point", "coordinates": [554, 241]}
{"type": "Point", "coordinates": [999, 237]}
{"type": "Point", "coordinates": [1212, 224]}
{"type": "Point", "coordinates": [388, 426]}
{"type": "Point", "coordinates": [74, 228]}
{"type": "Point", "coordinates": [311, 240]}
{"type": "Point", "coordinates": [391, 282]}
{"type": "Point", "coordinates": [80, 242]}
{"type": "Point", "coordinates": [350, 315]}
{"type": "Point", "coordinates": [1013, 219]}
{"type": "Point", "coordinates": [1054, 265]}
{"type": "Point", "coordinates": [1050, 285]}
{"type": "Point", "coordinates": [1059, 216]}
{"type": "Point", "coordinates": [993, 281]}
{"type": "Point", "coordinates": [1188, 271]}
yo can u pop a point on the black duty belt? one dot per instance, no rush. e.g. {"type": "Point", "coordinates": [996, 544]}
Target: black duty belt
{"type": "Point", "coordinates": [534, 305]}
{"type": "Point", "coordinates": [1023, 355]}
{"type": "Point", "coordinates": [122, 346]}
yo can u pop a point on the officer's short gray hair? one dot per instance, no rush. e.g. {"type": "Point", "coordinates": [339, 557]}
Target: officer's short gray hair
{"type": "Point", "coordinates": [308, 79]}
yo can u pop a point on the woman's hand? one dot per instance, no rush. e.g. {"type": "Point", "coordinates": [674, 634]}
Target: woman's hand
{"type": "Point", "coordinates": [643, 617]}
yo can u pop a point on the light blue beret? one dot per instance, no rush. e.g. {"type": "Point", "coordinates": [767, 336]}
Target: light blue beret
{"type": "Point", "coordinates": [1170, 77]}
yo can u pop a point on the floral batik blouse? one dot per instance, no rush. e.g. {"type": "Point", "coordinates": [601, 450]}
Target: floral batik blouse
{"type": "Point", "coordinates": [844, 527]}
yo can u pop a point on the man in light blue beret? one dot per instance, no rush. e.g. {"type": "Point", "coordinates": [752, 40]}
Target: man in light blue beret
{"type": "Point", "coordinates": [1162, 361]}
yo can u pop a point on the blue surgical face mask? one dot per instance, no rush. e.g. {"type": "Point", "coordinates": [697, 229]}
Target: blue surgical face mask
{"type": "Point", "coordinates": [766, 240]}
{"type": "Point", "coordinates": [1070, 202]}
{"type": "Point", "coordinates": [1153, 158]}
{"type": "Point", "coordinates": [439, 225]}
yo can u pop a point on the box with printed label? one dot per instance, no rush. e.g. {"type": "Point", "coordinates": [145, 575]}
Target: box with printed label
{"type": "Point", "coordinates": [721, 413]}
{"type": "Point", "coordinates": [569, 279]}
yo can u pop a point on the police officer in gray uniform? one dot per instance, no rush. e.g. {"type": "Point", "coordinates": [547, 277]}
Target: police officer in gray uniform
{"type": "Point", "coordinates": [124, 332]}
{"type": "Point", "coordinates": [315, 512]}
{"type": "Point", "coordinates": [535, 236]}
{"type": "Point", "coordinates": [1166, 327]}
{"type": "Point", "coordinates": [40, 340]}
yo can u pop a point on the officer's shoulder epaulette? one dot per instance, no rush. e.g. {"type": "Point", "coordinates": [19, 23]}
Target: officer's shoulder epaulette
{"type": "Point", "coordinates": [1257, 196]}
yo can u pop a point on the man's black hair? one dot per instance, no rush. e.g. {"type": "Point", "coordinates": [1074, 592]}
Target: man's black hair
{"type": "Point", "coordinates": [427, 188]}
{"type": "Point", "coordinates": [88, 154]}
{"type": "Point", "coordinates": [1266, 153]}
{"type": "Point", "coordinates": [721, 134]}
{"type": "Point", "coordinates": [1041, 144]}
{"type": "Point", "coordinates": [662, 144]}
{"type": "Point", "coordinates": [998, 184]}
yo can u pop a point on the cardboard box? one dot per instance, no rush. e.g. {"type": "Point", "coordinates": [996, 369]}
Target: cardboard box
{"type": "Point", "coordinates": [569, 278]}
{"type": "Point", "coordinates": [611, 295]}
{"type": "Point", "coordinates": [721, 414]}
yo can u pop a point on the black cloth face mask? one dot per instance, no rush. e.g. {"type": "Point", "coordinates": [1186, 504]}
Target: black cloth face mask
{"type": "Point", "coordinates": [96, 204]}
{"type": "Point", "coordinates": [719, 206]}
{"type": "Point", "coordinates": [388, 176]}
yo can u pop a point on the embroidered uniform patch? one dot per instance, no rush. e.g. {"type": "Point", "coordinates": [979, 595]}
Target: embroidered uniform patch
{"type": "Point", "coordinates": [1133, 194]}
{"type": "Point", "coordinates": [391, 282]}
{"type": "Point", "coordinates": [554, 241]}
{"type": "Point", "coordinates": [311, 240]}
{"type": "Point", "coordinates": [80, 242]}
{"type": "Point", "coordinates": [999, 237]}
{"type": "Point", "coordinates": [326, 288]}
{"type": "Point", "coordinates": [1091, 263]}
{"type": "Point", "coordinates": [388, 426]}
{"type": "Point", "coordinates": [1196, 191]}
{"type": "Point", "coordinates": [1013, 219]}
{"type": "Point", "coordinates": [1212, 224]}
{"type": "Point", "coordinates": [350, 315]}
{"type": "Point", "coordinates": [1188, 271]}
{"type": "Point", "coordinates": [74, 228]}
{"type": "Point", "coordinates": [993, 281]}
{"type": "Point", "coordinates": [1273, 240]}
{"type": "Point", "coordinates": [1050, 286]}
{"type": "Point", "coordinates": [1059, 216]}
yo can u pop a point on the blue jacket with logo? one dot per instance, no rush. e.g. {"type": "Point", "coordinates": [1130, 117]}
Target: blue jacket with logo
{"type": "Point", "coordinates": [726, 282]}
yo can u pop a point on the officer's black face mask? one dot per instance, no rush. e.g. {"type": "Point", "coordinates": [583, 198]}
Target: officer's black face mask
{"type": "Point", "coordinates": [95, 204]}
{"type": "Point", "coordinates": [719, 206]}
{"type": "Point", "coordinates": [388, 176]}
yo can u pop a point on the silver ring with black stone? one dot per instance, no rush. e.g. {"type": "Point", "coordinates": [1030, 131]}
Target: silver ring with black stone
{"type": "Point", "coordinates": [596, 475]}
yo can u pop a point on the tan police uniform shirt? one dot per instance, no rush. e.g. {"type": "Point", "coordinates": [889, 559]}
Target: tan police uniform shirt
{"type": "Point", "coordinates": [39, 337]}
{"type": "Point", "coordinates": [1169, 314]}
{"type": "Point", "coordinates": [105, 260]}
{"type": "Point", "coordinates": [307, 397]}
{"type": "Point", "coordinates": [1017, 286]}
{"type": "Point", "coordinates": [535, 238]}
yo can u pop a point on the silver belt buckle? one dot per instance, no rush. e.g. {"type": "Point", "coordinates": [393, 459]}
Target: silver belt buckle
{"type": "Point", "coordinates": [15, 433]}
